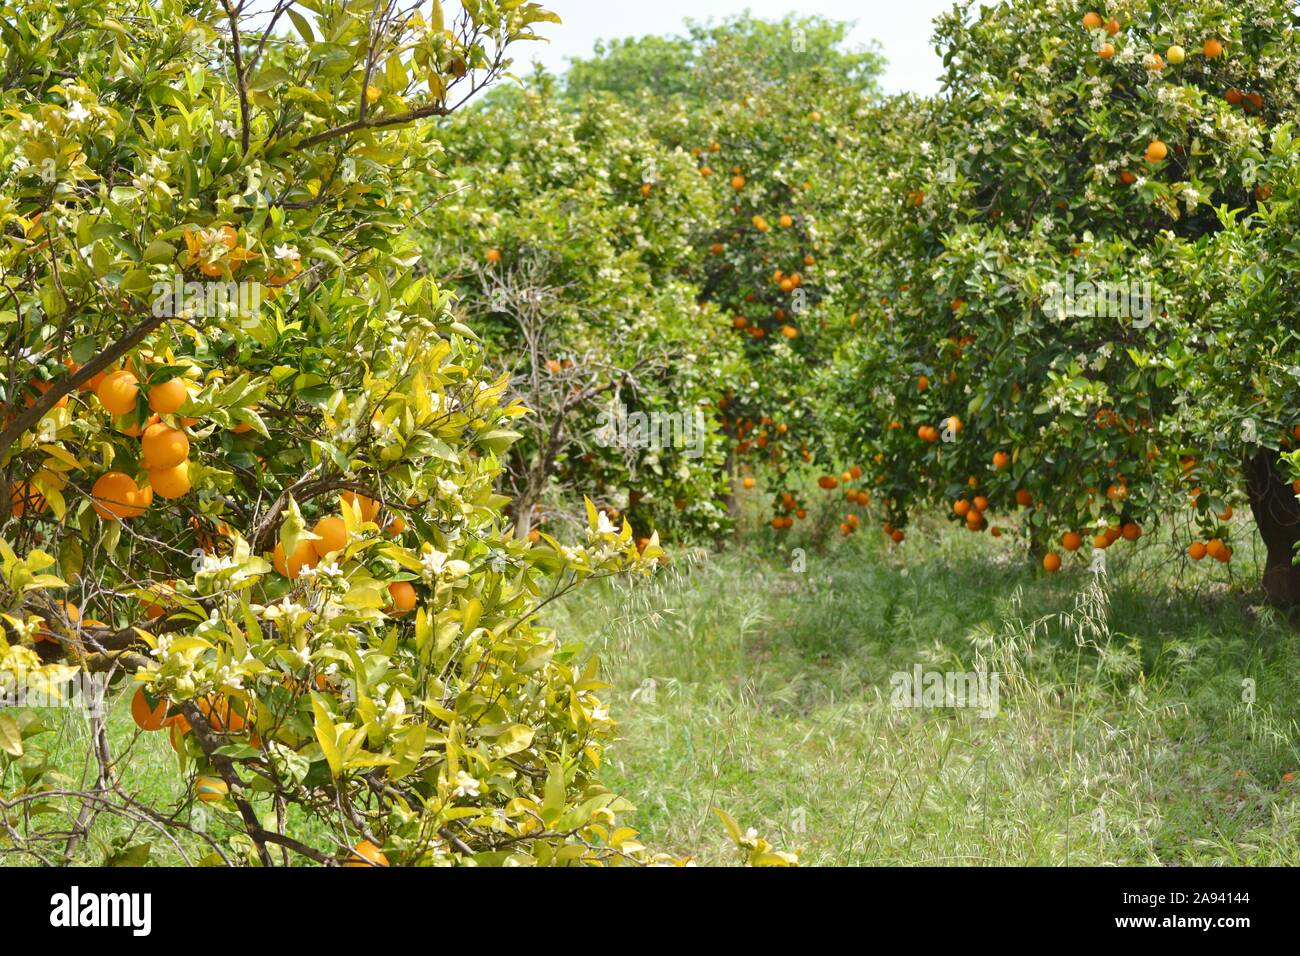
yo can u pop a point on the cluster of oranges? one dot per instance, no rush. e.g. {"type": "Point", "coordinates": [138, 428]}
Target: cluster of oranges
{"type": "Point", "coordinates": [164, 448]}
{"type": "Point", "coordinates": [791, 509]}
{"type": "Point", "coordinates": [332, 538]}
{"type": "Point", "coordinates": [1215, 548]}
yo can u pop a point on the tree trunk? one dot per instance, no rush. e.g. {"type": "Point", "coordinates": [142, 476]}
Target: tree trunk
{"type": "Point", "coordinates": [1277, 515]}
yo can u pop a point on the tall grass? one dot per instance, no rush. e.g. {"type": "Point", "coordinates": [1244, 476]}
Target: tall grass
{"type": "Point", "coordinates": [1143, 718]}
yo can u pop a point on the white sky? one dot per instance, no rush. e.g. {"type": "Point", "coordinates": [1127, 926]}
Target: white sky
{"type": "Point", "coordinates": [901, 27]}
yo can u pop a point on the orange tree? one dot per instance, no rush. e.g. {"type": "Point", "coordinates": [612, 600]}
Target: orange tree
{"type": "Point", "coordinates": [565, 231]}
{"type": "Point", "coordinates": [763, 110]}
{"type": "Point", "coordinates": [251, 455]}
{"type": "Point", "coordinates": [1051, 332]}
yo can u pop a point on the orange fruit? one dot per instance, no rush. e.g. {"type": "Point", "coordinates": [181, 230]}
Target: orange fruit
{"type": "Point", "coordinates": [1052, 562]}
{"type": "Point", "coordinates": [220, 716]}
{"type": "Point", "coordinates": [1101, 541]}
{"type": "Point", "coordinates": [166, 397]}
{"type": "Point", "coordinates": [396, 526]}
{"type": "Point", "coordinates": [1000, 460]}
{"type": "Point", "coordinates": [1196, 550]}
{"type": "Point", "coordinates": [828, 482]}
{"type": "Point", "coordinates": [171, 482]}
{"type": "Point", "coordinates": [961, 507]}
{"type": "Point", "coordinates": [738, 182]}
{"type": "Point", "coordinates": [304, 556]}
{"type": "Point", "coordinates": [1106, 51]}
{"type": "Point", "coordinates": [1024, 498]}
{"type": "Point", "coordinates": [368, 506]}
{"type": "Point", "coordinates": [1212, 49]}
{"type": "Point", "coordinates": [1091, 20]}
{"type": "Point", "coordinates": [118, 391]}
{"type": "Point", "coordinates": [1131, 531]}
{"type": "Point", "coordinates": [1224, 554]}
{"type": "Point", "coordinates": [980, 504]}
{"type": "Point", "coordinates": [148, 712]}
{"type": "Point", "coordinates": [1127, 178]}
{"type": "Point", "coordinates": [1213, 547]}
{"type": "Point", "coordinates": [1233, 96]}
{"type": "Point", "coordinates": [403, 596]}
{"type": "Point", "coordinates": [24, 496]}
{"type": "Point", "coordinates": [366, 853]}
{"type": "Point", "coordinates": [1112, 26]}
{"type": "Point", "coordinates": [1113, 533]}
{"type": "Point", "coordinates": [494, 255]}
{"type": "Point", "coordinates": [1071, 541]}
{"type": "Point", "coordinates": [116, 496]}
{"type": "Point", "coordinates": [922, 383]}
{"type": "Point", "coordinates": [749, 483]}
{"type": "Point", "coordinates": [333, 535]}
{"type": "Point", "coordinates": [162, 446]}
{"type": "Point", "coordinates": [1156, 151]}
{"type": "Point", "coordinates": [786, 221]}
{"type": "Point", "coordinates": [897, 536]}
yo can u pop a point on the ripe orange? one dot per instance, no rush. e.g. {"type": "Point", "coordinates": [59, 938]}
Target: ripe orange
{"type": "Point", "coordinates": [396, 526]}
{"type": "Point", "coordinates": [1223, 555]}
{"type": "Point", "coordinates": [828, 482]}
{"type": "Point", "coordinates": [1127, 178]}
{"type": "Point", "coordinates": [368, 506]}
{"type": "Point", "coordinates": [403, 595]}
{"type": "Point", "coordinates": [148, 712]}
{"type": "Point", "coordinates": [171, 482]}
{"type": "Point", "coordinates": [1106, 51]}
{"type": "Point", "coordinates": [1131, 531]}
{"type": "Point", "coordinates": [961, 507]}
{"type": "Point", "coordinates": [1196, 550]}
{"type": "Point", "coordinates": [116, 496]}
{"type": "Point", "coordinates": [494, 255]}
{"type": "Point", "coordinates": [1101, 541]}
{"type": "Point", "coordinates": [162, 446]}
{"type": "Point", "coordinates": [366, 853]}
{"type": "Point", "coordinates": [118, 391]}
{"type": "Point", "coordinates": [1071, 541]}
{"type": "Point", "coordinates": [333, 535]}
{"type": "Point", "coordinates": [1112, 26]}
{"type": "Point", "coordinates": [1024, 498]}
{"type": "Point", "coordinates": [1000, 460]}
{"type": "Point", "coordinates": [897, 536]}
{"type": "Point", "coordinates": [166, 397]}
{"type": "Point", "coordinates": [1156, 151]}
{"type": "Point", "coordinates": [1214, 547]}
{"type": "Point", "coordinates": [737, 182]}
{"type": "Point", "coordinates": [922, 383]}
{"type": "Point", "coordinates": [749, 483]}
{"type": "Point", "coordinates": [1091, 20]}
{"type": "Point", "coordinates": [1233, 96]}
{"type": "Point", "coordinates": [304, 556]}
{"type": "Point", "coordinates": [1212, 49]}
{"type": "Point", "coordinates": [786, 221]}
{"type": "Point", "coordinates": [1052, 562]}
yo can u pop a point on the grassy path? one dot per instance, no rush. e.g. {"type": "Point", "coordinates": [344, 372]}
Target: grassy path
{"type": "Point", "coordinates": [1124, 732]}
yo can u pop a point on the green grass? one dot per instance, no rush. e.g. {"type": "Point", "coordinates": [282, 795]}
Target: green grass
{"type": "Point", "coordinates": [1123, 736]}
